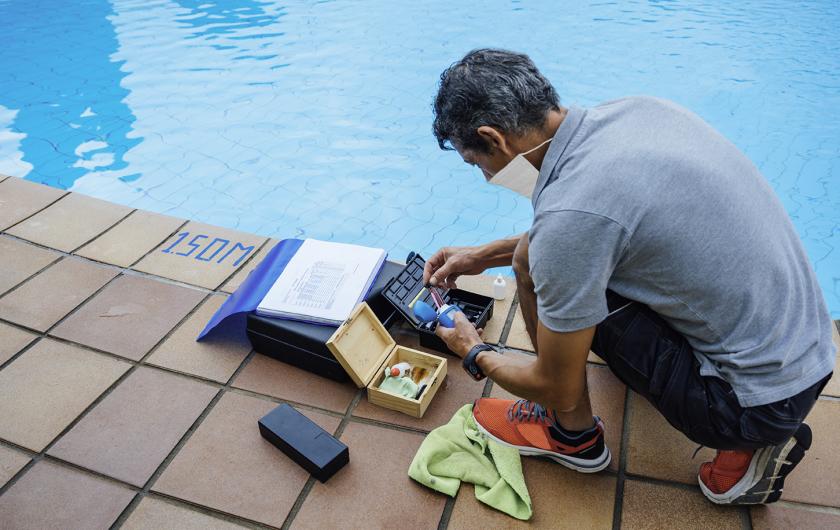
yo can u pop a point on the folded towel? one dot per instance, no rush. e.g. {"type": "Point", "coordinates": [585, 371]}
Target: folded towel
{"type": "Point", "coordinates": [458, 452]}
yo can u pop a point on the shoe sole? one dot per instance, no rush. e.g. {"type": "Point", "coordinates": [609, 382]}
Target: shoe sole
{"type": "Point", "coordinates": [581, 465]}
{"type": "Point", "coordinates": [757, 486]}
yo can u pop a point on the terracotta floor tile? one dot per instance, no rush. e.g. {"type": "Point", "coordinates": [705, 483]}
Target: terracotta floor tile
{"type": "Point", "coordinates": [131, 431]}
{"type": "Point", "coordinates": [54, 496]}
{"type": "Point", "coordinates": [271, 377]}
{"type": "Point", "coordinates": [129, 316]}
{"type": "Point", "coordinates": [46, 298]}
{"type": "Point", "coordinates": [20, 260]}
{"type": "Point", "coordinates": [215, 358]}
{"type": "Point", "coordinates": [518, 336]}
{"type": "Point", "coordinates": [814, 481]}
{"type": "Point", "coordinates": [70, 222]}
{"type": "Point", "coordinates": [656, 506]}
{"type": "Point", "coordinates": [228, 466]}
{"type": "Point", "coordinates": [131, 239]}
{"type": "Point", "coordinates": [561, 498]}
{"type": "Point", "coordinates": [658, 450]}
{"type": "Point", "coordinates": [456, 390]}
{"type": "Point", "coordinates": [786, 517]}
{"type": "Point", "coordinates": [20, 198]}
{"type": "Point", "coordinates": [12, 340]}
{"type": "Point", "coordinates": [606, 393]}
{"type": "Point", "coordinates": [483, 284]}
{"type": "Point", "coordinates": [201, 254]}
{"type": "Point", "coordinates": [236, 280]}
{"type": "Point", "coordinates": [154, 514]}
{"type": "Point", "coordinates": [44, 389]}
{"type": "Point", "coordinates": [833, 386]}
{"type": "Point", "coordinates": [11, 461]}
{"type": "Point", "coordinates": [373, 490]}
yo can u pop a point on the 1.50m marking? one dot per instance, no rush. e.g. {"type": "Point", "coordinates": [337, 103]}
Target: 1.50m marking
{"type": "Point", "coordinates": [209, 251]}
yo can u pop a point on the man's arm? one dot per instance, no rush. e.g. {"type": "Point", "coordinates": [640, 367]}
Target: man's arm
{"type": "Point", "coordinates": [444, 267]}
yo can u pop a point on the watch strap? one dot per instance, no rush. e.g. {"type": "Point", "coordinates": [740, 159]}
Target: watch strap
{"type": "Point", "coordinates": [469, 363]}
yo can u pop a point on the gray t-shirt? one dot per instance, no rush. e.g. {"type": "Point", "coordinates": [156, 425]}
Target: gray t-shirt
{"type": "Point", "coordinates": [642, 197]}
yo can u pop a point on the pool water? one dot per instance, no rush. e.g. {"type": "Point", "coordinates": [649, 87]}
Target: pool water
{"type": "Point", "coordinates": [313, 119]}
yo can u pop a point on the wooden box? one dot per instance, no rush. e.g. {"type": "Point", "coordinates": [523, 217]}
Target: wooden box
{"type": "Point", "coordinates": [364, 348]}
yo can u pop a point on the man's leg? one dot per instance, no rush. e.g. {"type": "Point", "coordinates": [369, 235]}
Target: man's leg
{"type": "Point", "coordinates": [580, 418]}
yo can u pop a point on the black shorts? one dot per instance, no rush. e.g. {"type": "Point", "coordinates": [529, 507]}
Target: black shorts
{"type": "Point", "coordinates": [659, 364]}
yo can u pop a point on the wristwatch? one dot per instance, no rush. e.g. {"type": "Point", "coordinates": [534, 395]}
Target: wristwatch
{"type": "Point", "coordinates": [469, 361]}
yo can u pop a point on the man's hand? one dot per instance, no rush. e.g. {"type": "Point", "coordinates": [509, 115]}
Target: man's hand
{"type": "Point", "coordinates": [462, 337]}
{"type": "Point", "coordinates": [448, 263]}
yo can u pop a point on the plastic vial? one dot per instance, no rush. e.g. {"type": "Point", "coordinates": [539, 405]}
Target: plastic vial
{"type": "Point", "coordinates": [499, 288]}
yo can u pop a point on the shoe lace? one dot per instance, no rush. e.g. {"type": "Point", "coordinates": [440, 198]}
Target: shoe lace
{"type": "Point", "coordinates": [524, 410]}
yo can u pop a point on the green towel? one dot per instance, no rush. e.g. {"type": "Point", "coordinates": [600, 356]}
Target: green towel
{"type": "Point", "coordinates": [458, 452]}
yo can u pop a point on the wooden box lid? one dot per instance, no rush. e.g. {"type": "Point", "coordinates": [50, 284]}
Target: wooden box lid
{"type": "Point", "coordinates": [361, 344]}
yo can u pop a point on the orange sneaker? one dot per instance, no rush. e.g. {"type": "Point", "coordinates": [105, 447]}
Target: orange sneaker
{"type": "Point", "coordinates": [755, 476]}
{"type": "Point", "coordinates": [526, 426]}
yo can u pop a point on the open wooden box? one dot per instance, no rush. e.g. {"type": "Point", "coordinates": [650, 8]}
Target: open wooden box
{"type": "Point", "coordinates": [364, 348]}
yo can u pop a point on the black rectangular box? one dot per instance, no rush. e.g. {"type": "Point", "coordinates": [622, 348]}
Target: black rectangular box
{"type": "Point", "coordinates": [302, 440]}
{"type": "Point", "coordinates": [407, 286]}
{"type": "Point", "coordinates": [305, 345]}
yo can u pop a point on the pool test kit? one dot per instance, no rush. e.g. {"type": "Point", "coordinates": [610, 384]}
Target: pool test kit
{"type": "Point", "coordinates": [365, 348]}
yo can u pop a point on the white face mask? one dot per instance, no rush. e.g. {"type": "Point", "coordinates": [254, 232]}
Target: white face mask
{"type": "Point", "coordinates": [519, 175]}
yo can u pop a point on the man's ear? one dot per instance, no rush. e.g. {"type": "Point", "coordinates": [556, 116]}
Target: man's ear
{"type": "Point", "coordinates": [494, 139]}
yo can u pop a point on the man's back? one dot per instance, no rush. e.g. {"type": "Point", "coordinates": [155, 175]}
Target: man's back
{"type": "Point", "coordinates": [644, 198]}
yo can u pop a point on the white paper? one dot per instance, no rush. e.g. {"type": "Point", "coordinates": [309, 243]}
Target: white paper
{"type": "Point", "coordinates": [323, 282]}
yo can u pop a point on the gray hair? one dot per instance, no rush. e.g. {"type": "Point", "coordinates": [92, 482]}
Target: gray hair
{"type": "Point", "coordinates": [492, 87]}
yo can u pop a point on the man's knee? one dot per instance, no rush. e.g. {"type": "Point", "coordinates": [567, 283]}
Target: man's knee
{"type": "Point", "coordinates": [520, 260]}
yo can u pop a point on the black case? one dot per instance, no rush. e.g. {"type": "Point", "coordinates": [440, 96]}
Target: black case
{"type": "Point", "coordinates": [305, 345]}
{"type": "Point", "coordinates": [405, 286]}
{"type": "Point", "coordinates": [310, 446]}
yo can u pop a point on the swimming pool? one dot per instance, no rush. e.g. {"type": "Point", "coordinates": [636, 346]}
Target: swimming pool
{"type": "Point", "coordinates": [313, 119]}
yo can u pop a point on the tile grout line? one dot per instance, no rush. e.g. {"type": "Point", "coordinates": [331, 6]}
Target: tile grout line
{"type": "Point", "coordinates": [618, 505]}
{"type": "Point", "coordinates": [33, 214]}
{"type": "Point", "coordinates": [310, 481]}
{"type": "Point", "coordinates": [509, 318]}
{"type": "Point", "coordinates": [120, 220]}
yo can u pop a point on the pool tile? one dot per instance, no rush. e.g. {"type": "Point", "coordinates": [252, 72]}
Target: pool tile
{"type": "Point", "coordinates": [658, 450]}
{"type": "Point", "coordinates": [456, 390]}
{"type": "Point", "coordinates": [194, 258]}
{"type": "Point", "coordinates": [373, 490]}
{"type": "Point", "coordinates": [129, 316]}
{"type": "Point", "coordinates": [657, 506]}
{"type": "Point", "coordinates": [54, 496]}
{"type": "Point", "coordinates": [46, 388]}
{"type": "Point", "coordinates": [20, 260]}
{"type": "Point", "coordinates": [833, 386]}
{"type": "Point", "coordinates": [228, 466]}
{"type": "Point", "coordinates": [216, 357]}
{"type": "Point", "coordinates": [11, 461]}
{"type": "Point", "coordinates": [12, 340]}
{"type": "Point", "coordinates": [814, 481]}
{"type": "Point", "coordinates": [134, 428]}
{"type": "Point", "coordinates": [46, 298]}
{"type": "Point", "coordinates": [606, 394]}
{"type": "Point", "coordinates": [518, 336]}
{"type": "Point", "coordinates": [131, 239]}
{"type": "Point", "coordinates": [554, 490]}
{"type": "Point", "coordinates": [483, 284]}
{"type": "Point", "coordinates": [265, 375]}
{"type": "Point", "coordinates": [154, 514]}
{"type": "Point", "coordinates": [71, 222]}
{"type": "Point", "coordinates": [236, 280]}
{"type": "Point", "coordinates": [777, 517]}
{"type": "Point", "coordinates": [21, 198]}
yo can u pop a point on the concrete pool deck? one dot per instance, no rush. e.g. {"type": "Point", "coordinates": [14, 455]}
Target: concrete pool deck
{"type": "Point", "coordinates": [112, 415]}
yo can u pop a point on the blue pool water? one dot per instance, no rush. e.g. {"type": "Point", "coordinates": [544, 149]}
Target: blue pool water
{"type": "Point", "coordinates": [313, 119]}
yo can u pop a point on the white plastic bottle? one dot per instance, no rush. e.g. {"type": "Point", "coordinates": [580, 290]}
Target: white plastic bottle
{"type": "Point", "coordinates": [499, 285]}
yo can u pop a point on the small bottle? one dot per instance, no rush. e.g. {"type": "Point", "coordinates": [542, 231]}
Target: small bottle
{"type": "Point", "coordinates": [499, 285]}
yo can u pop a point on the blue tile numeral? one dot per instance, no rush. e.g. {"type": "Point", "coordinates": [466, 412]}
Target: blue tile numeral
{"type": "Point", "coordinates": [211, 250]}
